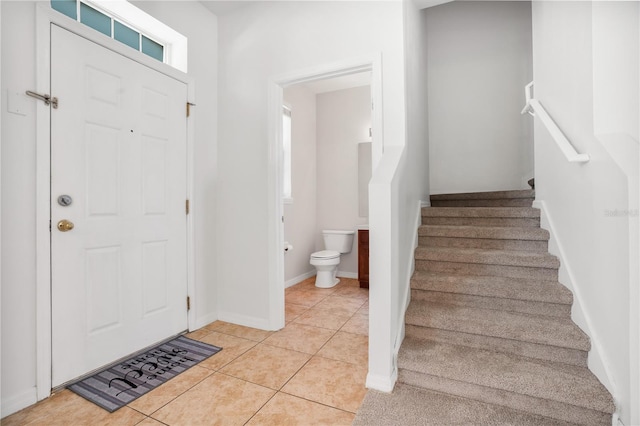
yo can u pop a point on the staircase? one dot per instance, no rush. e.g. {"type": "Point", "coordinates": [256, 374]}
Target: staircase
{"type": "Point", "coordinates": [488, 329]}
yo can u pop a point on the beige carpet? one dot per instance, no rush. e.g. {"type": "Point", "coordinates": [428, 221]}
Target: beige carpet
{"type": "Point", "coordinates": [425, 407]}
{"type": "Point", "coordinates": [489, 337]}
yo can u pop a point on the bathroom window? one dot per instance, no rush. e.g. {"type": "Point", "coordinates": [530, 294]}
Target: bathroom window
{"type": "Point", "coordinates": [286, 149]}
{"type": "Point", "coordinates": [129, 25]}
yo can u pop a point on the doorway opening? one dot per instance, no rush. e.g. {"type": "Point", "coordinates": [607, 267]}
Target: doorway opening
{"type": "Point", "coordinates": [322, 75]}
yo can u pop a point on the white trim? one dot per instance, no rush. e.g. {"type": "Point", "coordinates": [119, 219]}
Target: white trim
{"type": "Point", "coordinates": [45, 16]}
{"type": "Point", "coordinates": [347, 274]}
{"type": "Point", "coordinates": [425, 204]}
{"type": "Point", "coordinates": [597, 361]}
{"type": "Point", "coordinates": [191, 217]}
{"type": "Point", "coordinates": [175, 44]}
{"type": "Point", "coordinates": [275, 279]}
{"type": "Point", "coordinates": [202, 321]}
{"type": "Point", "coordinates": [245, 320]}
{"type": "Point", "coordinates": [382, 383]}
{"type": "Point", "coordinates": [18, 402]}
{"type": "Point", "coordinates": [407, 292]}
{"type": "Point", "coordinates": [1, 410]}
{"type": "Point", "coordinates": [295, 280]}
{"type": "Point", "coordinates": [276, 84]}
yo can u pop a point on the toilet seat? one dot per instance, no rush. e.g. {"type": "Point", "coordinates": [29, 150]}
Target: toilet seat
{"type": "Point", "coordinates": [325, 255]}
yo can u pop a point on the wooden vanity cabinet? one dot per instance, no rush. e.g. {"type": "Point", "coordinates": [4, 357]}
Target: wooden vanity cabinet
{"type": "Point", "coordinates": [363, 258]}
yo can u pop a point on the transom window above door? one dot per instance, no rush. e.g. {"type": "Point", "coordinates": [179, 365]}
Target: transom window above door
{"type": "Point", "coordinates": [129, 25]}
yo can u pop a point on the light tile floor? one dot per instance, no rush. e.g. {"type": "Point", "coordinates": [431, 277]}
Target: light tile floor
{"type": "Point", "coordinates": [312, 372]}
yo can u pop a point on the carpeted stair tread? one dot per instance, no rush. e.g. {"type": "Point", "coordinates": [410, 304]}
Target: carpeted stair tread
{"type": "Point", "coordinates": [409, 405]}
{"type": "Point", "coordinates": [495, 303]}
{"type": "Point", "coordinates": [488, 257]}
{"type": "Point", "coordinates": [492, 202]}
{"type": "Point", "coordinates": [544, 330]}
{"type": "Point", "coordinates": [516, 347]}
{"type": "Point", "coordinates": [544, 380]}
{"type": "Point", "coordinates": [489, 286]}
{"type": "Point", "coordinates": [524, 193]}
{"type": "Point", "coordinates": [485, 232]}
{"type": "Point", "coordinates": [492, 212]}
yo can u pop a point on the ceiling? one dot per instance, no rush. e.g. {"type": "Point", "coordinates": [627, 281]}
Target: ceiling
{"type": "Point", "coordinates": [221, 7]}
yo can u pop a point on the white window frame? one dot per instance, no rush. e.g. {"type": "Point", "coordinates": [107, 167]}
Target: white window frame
{"type": "Point", "coordinates": [175, 44]}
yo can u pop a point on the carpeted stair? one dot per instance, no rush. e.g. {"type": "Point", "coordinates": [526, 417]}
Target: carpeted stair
{"type": "Point", "coordinates": [488, 329]}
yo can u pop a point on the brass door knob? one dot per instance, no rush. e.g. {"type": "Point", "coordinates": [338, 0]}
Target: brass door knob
{"type": "Point", "coordinates": [64, 225]}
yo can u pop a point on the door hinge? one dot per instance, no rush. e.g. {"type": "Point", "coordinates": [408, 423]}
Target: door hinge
{"type": "Point", "coordinates": [189, 105]}
{"type": "Point", "coordinates": [186, 206]}
{"type": "Point", "coordinates": [188, 303]}
{"type": "Point", "coordinates": [47, 99]}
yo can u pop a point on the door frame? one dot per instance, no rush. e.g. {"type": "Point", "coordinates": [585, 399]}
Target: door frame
{"type": "Point", "coordinates": [276, 85]}
{"type": "Point", "coordinates": [45, 17]}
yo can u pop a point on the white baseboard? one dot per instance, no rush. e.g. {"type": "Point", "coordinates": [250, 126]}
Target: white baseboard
{"type": "Point", "coordinates": [426, 203]}
{"type": "Point", "coordinates": [300, 278]}
{"type": "Point", "coordinates": [244, 320]}
{"type": "Point", "coordinates": [15, 403]}
{"type": "Point", "coordinates": [202, 321]}
{"type": "Point", "coordinates": [407, 288]}
{"type": "Point", "coordinates": [345, 274]}
{"type": "Point", "coordinates": [295, 280]}
{"type": "Point", "coordinates": [381, 383]}
{"type": "Point", "coordinates": [597, 362]}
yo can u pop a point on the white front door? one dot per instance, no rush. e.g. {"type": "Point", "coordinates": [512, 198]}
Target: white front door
{"type": "Point", "coordinates": [118, 162]}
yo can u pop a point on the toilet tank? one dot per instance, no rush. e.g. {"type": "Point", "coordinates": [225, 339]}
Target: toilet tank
{"type": "Point", "coordinates": [340, 241]}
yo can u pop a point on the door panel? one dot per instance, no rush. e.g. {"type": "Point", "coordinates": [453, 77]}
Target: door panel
{"type": "Point", "coordinates": [118, 148]}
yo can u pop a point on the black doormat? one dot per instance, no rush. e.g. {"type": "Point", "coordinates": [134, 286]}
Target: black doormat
{"type": "Point", "coordinates": [122, 383]}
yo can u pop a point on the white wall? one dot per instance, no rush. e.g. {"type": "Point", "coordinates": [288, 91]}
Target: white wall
{"type": "Point", "coordinates": [479, 60]}
{"type": "Point", "coordinates": [343, 120]}
{"type": "Point", "coordinates": [18, 215]}
{"type": "Point", "coordinates": [266, 40]}
{"type": "Point", "coordinates": [300, 216]}
{"type": "Point", "coordinates": [19, 167]}
{"type": "Point", "coordinates": [591, 209]}
{"type": "Point", "coordinates": [415, 189]}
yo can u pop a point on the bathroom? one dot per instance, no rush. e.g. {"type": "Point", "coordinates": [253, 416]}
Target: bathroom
{"type": "Point", "coordinates": [330, 169]}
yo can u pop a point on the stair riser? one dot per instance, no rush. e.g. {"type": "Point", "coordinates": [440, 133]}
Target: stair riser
{"type": "Point", "coordinates": [506, 202]}
{"type": "Point", "coordinates": [482, 221]}
{"type": "Point", "coordinates": [543, 407]}
{"type": "Point", "coordinates": [482, 243]}
{"type": "Point", "coordinates": [516, 347]}
{"type": "Point", "coordinates": [487, 195]}
{"type": "Point", "coordinates": [455, 268]}
{"type": "Point", "coordinates": [510, 305]}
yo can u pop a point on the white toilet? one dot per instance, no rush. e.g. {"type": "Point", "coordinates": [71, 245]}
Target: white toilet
{"type": "Point", "coordinates": [327, 261]}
